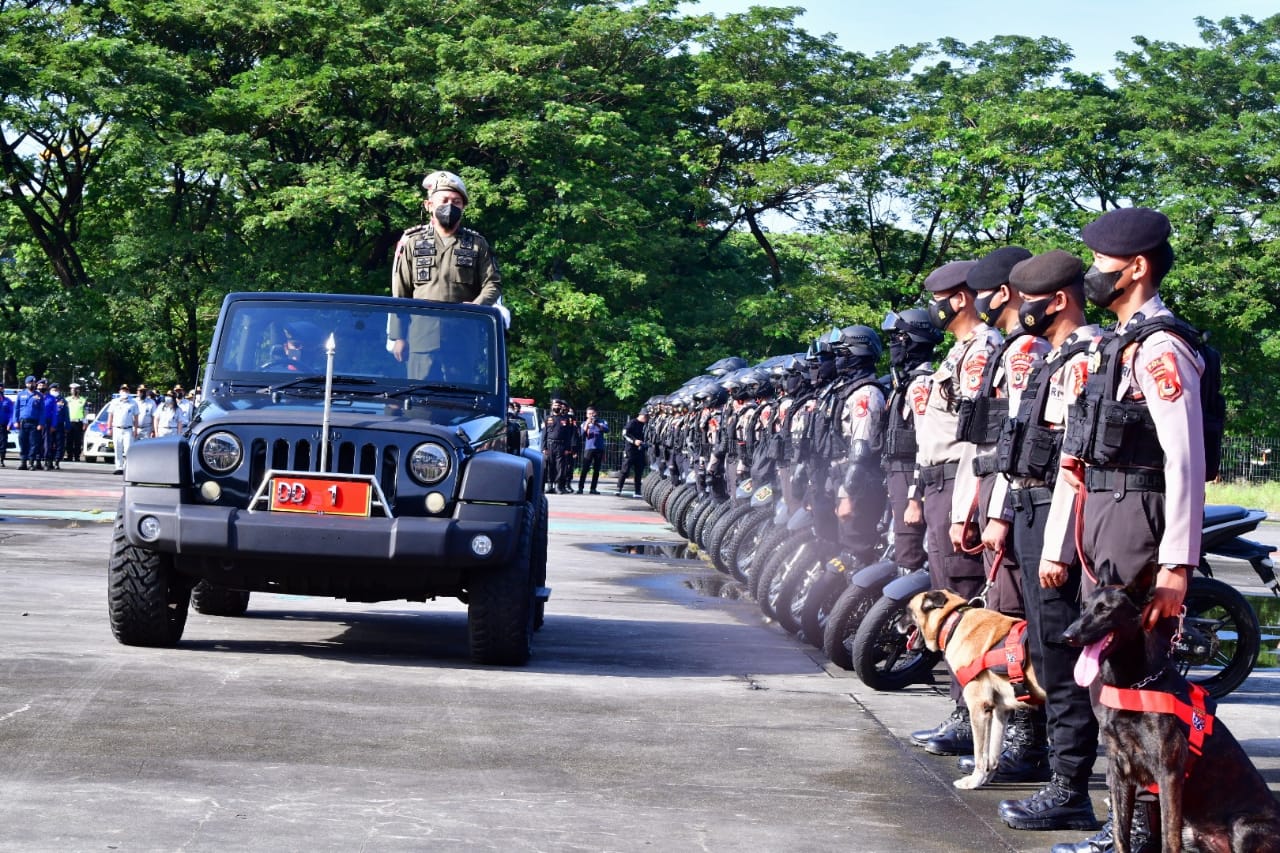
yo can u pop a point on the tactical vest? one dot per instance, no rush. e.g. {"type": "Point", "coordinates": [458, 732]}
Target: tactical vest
{"type": "Point", "coordinates": [423, 249]}
{"type": "Point", "coordinates": [899, 432]}
{"type": "Point", "coordinates": [1111, 433]}
{"type": "Point", "coordinates": [829, 441]}
{"type": "Point", "coordinates": [1026, 446]}
{"type": "Point", "coordinates": [982, 415]}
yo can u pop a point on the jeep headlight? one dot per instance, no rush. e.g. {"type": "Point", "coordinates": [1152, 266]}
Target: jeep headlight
{"type": "Point", "coordinates": [429, 463]}
{"type": "Point", "coordinates": [221, 452]}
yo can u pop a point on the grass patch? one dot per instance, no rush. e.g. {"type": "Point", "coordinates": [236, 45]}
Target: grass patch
{"type": "Point", "coordinates": [1264, 496]}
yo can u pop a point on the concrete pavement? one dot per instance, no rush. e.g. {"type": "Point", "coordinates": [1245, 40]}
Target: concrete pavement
{"type": "Point", "coordinates": [654, 716]}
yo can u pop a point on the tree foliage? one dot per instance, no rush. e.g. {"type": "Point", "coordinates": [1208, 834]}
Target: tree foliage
{"type": "Point", "coordinates": [662, 189]}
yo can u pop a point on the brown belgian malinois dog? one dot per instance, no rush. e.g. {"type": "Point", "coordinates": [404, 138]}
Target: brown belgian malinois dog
{"type": "Point", "coordinates": [976, 643]}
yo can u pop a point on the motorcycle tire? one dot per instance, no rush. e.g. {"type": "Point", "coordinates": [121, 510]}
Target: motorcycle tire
{"type": "Point", "coordinates": [729, 519]}
{"type": "Point", "coordinates": [1215, 612]}
{"type": "Point", "coordinates": [819, 604]}
{"type": "Point", "coordinates": [804, 580]}
{"type": "Point", "coordinates": [647, 485]}
{"type": "Point", "coordinates": [847, 615]}
{"type": "Point", "coordinates": [710, 523]}
{"type": "Point", "coordinates": [661, 492]}
{"type": "Point", "coordinates": [777, 590]}
{"type": "Point", "coordinates": [678, 504]}
{"type": "Point", "coordinates": [776, 538]}
{"type": "Point", "coordinates": [880, 654]}
{"type": "Point", "coordinates": [705, 506]}
{"type": "Point", "coordinates": [739, 541]}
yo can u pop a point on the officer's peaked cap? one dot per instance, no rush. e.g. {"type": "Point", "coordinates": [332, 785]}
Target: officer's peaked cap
{"type": "Point", "coordinates": [1047, 273]}
{"type": "Point", "coordinates": [992, 270]}
{"type": "Point", "coordinates": [28, 380]}
{"type": "Point", "coordinates": [1127, 231]}
{"type": "Point", "coordinates": [949, 276]}
{"type": "Point", "coordinates": [442, 180]}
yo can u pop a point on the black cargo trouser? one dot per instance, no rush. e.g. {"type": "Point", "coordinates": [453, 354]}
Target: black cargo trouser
{"type": "Point", "coordinates": [1072, 727]}
{"type": "Point", "coordinates": [948, 569]}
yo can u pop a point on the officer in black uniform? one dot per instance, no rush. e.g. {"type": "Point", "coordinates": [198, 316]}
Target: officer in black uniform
{"type": "Point", "coordinates": [1052, 288]}
{"type": "Point", "coordinates": [557, 437]}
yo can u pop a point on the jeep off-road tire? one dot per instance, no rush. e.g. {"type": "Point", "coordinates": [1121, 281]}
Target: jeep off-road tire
{"type": "Point", "coordinates": [146, 599]}
{"type": "Point", "coordinates": [210, 599]}
{"type": "Point", "coordinates": [500, 606]}
{"type": "Point", "coordinates": [538, 563]}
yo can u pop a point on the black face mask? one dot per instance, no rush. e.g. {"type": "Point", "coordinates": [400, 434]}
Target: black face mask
{"type": "Point", "coordinates": [1035, 318]}
{"type": "Point", "coordinates": [986, 313]}
{"type": "Point", "coordinates": [898, 351]}
{"type": "Point", "coordinates": [826, 371]}
{"type": "Point", "coordinates": [794, 382]}
{"type": "Point", "coordinates": [1100, 287]}
{"type": "Point", "coordinates": [941, 313]}
{"type": "Point", "coordinates": [448, 215]}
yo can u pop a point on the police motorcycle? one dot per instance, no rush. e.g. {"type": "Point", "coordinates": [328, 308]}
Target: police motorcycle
{"type": "Point", "coordinates": [760, 491]}
{"type": "Point", "coordinates": [745, 457]}
{"type": "Point", "coordinates": [912, 343]}
{"type": "Point", "coordinates": [780, 503]}
{"type": "Point", "coordinates": [846, 365]}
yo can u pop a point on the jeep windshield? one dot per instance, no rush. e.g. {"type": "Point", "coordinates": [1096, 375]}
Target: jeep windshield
{"type": "Point", "coordinates": [380, 347]}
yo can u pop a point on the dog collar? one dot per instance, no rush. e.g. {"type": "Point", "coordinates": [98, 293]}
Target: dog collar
{"type": "Point", "coordinates": [949, 626]}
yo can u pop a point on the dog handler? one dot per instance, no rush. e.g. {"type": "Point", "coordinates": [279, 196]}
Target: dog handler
{"type": "Point", "coordinates": [1143, 497]}
{"type": "Point", "coordinates": [938, 457]}
{"type": "Point", "coordinates": [1053, 305]}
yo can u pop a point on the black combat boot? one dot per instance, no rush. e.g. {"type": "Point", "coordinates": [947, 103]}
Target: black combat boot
{"type": "Point", "coordinates": [1062, 804]}
{"type": "Point", "coordinates": [955, 739]}
{"type": "Point", "coordinates": [1144, 835]}
{"type": "Point", "coordinates": [920, 738]}
{"type": "Point", "coordinates": [1025, 757]}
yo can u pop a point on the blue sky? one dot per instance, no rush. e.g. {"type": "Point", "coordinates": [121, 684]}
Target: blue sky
{"type": "Point", "coordinates": [1095, 29]}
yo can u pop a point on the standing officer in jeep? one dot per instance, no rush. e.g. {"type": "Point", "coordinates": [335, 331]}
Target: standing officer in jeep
{"type": "Point", "coordinates": [442, 261]}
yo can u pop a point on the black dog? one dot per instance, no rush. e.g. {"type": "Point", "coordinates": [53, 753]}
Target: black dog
{"type": "Point", "coordinates": [1211, 796]}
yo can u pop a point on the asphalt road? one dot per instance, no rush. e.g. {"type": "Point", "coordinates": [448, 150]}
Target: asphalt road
{"type": "Point", "coordinates": [654, 716]}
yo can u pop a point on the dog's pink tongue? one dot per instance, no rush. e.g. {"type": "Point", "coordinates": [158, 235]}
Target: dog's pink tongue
{"type": "Point", "coordinates": [1089, 664]}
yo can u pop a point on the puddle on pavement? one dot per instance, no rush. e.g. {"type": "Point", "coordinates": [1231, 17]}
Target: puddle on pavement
{"type": "Point", "coordinates": [666, 550]}
{"type": "Point", "coordinates": [61, 523]}
{"type": "Point", "coordinates": [1268, 610]}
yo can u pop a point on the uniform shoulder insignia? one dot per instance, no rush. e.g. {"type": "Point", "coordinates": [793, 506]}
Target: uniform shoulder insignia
{"type": "Point", "coordinates": [1163, 369]}
{"type": "Point", "coordinates": [415, 230]}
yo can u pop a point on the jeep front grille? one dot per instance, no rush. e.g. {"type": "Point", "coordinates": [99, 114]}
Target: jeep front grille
{"type": "Point", "coordinates": [345, 457]}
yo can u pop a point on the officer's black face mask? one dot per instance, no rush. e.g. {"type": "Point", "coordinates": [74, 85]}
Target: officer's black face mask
{"type": "Point", "coordinates": [898, 350]}
{"type": "Point", "coordinates": [1035, 316]}
{"type": "Point", "coordinates": [1100, 287]}
{"type": "Point", "coordinates": [986, 313]}
{"type": "Point", "coordinates": [941, 312]}
{"type": "Point", "coordinates": [794, 383]}
{"type": "Point", "coordinates": [448, 215]}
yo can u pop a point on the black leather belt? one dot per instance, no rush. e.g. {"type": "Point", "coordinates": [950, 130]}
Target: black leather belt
{"type": "Point", "coordinates": [899, 465]}
{"type": "Point", "coordinates": [931, 475]}
{"type": "Point", "coordinates": [1026, 498]}
{"type": "Point", "coordinates": [1123, 480]}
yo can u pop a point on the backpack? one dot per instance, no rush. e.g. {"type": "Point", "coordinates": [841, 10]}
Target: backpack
{"type": "Point", "coordinates": [1213, 406]}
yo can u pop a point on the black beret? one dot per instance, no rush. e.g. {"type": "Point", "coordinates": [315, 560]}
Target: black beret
{"type": "Point", "coordinates": [993, 270]}
{"type": "Point", "coordinates": [1127, 231]}
{"type": "Point", "coordinates": [1047, 273]}
{"type": "Point", "coordinates": [949, 276]}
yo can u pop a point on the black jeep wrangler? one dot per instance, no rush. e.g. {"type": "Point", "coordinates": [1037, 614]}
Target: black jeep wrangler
{"type": "Point", "coordinates": [326, 460]}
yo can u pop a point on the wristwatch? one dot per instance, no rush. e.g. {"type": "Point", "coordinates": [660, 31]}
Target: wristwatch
{"type": "Point", "coordinates": [1173, 567]}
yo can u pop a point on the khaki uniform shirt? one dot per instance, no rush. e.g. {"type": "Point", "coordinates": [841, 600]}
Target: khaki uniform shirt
{"type": "Point", "coordinates": [450, 274]}
{"type": "Point", "coordinates": [937, 412]}
{"type": "Point", "coordinates": [1165, 372]}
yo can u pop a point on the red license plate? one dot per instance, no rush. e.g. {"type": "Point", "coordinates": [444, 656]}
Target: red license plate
{"type": "Point", "coordinates": [320, 495]}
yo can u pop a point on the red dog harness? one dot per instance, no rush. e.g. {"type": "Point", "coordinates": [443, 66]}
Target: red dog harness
{"type": "Point", "coordinates": [1007, 657]}
{"type": "Point", "coordinates": [1194, 712]}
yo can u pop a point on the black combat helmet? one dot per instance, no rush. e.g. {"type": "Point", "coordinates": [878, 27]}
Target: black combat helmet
{"type": "Point", "coordinates": [726, 365]}
{"type": "Point", "coordinates": [862, 342]}
{"type": "Point", "coordinates": [914, 323]}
